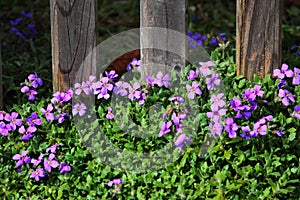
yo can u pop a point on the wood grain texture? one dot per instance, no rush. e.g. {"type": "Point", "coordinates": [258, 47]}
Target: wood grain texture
{"type": "Point", "coordinates": [259, 37]}
{"type": "Point", "coordinates": [1, 82]}
{"type": "Point", "coordinates": [164, 14]}
{"type": "Point", "coordinates": [73, 30]}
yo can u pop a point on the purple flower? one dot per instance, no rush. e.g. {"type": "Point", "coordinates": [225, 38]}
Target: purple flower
{"type": "Point", "coordinates": [13, 120]}
{"type": "Point", "coordinates": [150, 80]}
{"type": "Point", "coordinates": [4, 129]}
{"type": "Point", "coordinates": [246, 132]}
{"type": "Point", "coordinates": [142, 98]}
{"type": "Point", "coordinates": [284, 71]}
{"type": "Point", "coordinates": [61, 97]}
{"type": "Point", "coordinates": [205, 68]}
{"type": "Point", "coordinates": [249, 95]}
{"type": "Point", "coordinates": [50, 163]}
{"type": "Point", "coordinates": [120, 88]}
{"type": "Point", "coordinates": [193, 74]}
{"type": "Point", "coordinates": [214, 41]}
{"type": "Point", "coordinates": [112, 75]}
{"type": "Point", "coordinates": [61, 117]}
{"type": "Point", "coordinates": [136, 63]}
{"type": "Point", "coordinates": [37, 174]}
{"type": "Point", "coordinates": [257, 91]}
{"type": "Point", "coordinates": [280, 132]}
{"type": "Point", "coordinates": [48, 113]}
{"type": "Point", "coordinates": [176, 120]}
{"type": "Point", "coordinates": [27, 133]}
{"type": "Point", "coordinates": [109, 114]}
{"type": "Point", "coordinates": [24, 14]}
{"type": "Point", "coordinates": [64, 168]}
{"type": "Point", "coordinates": [297, 111]}
{"type": "Point", "coordinates": [22, 159]}
{"type": "Point", "coordinates": [231, 127]}
{"type": "Point", "coordinates": [214, 80]}
{"type": "Point", "coordinates": [235, 104]}
{"type": "Point", "coordinates": [217, 101]}
{"type": "Point", "coordinates": [281, 84]}
{"type": "Point", "coordinates": [264, 119]}
{"type": "Point", "coordinates": [294, 47]}
{"type": "Point", "coordinates": [52, 148]}
{"type": "Point", "coordinates": [216, 113]}
{"type": "Point", "coordinates": [177, 99]}
{"type": "Point", "coordinates": [259, 129]}
{"type": "Point", "coordinates": [181, 140]}
{"type": "Point", "coordinates": [2, 114]}
{"type": "Point", "coordinates": [133, 92]}
{"type": "Point", "coordinates": [162, 80]}
{"type": "Point", "coordinates": [216, 128]}
{"type": "Point", "coordinates": [244, 111]}
{"type": "Point", "coordinates": [16, 21]}
{"type": "Point", "coordinates": [115, 182]}
{"type": "Point", "coordinates": [79, 109]}
{"type": "Point", "coordinates": [194, 89]}
{"type": "Point", "coordinates": [29, 92]}
{"type": "Point", "coordinates": [101, 88]}
{"type": "Point", "coordinates": [34, 120]}
{"type": "Point", "coordinates": [165, 128]}
{"type": "Point", "coordinates": [35, 80]}
{"type": "Point", "coordinates": [85, 87]}
{"type": "Point", "coordinates": [286, 97]}
{"type": "Point", "coordinates": [38, 161]}
{"type": "Point", "coordinates": [296, 76]}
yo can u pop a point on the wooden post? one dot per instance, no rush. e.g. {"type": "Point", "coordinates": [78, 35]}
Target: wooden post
{"type": "Point", "coordinates": [1, 83]}
{"type": "Point", "coordinates": [73, 31]}
{"type": "Point", "coordinates": [259, 34]}
{"type": "Point", "coordinates": [164, 14]}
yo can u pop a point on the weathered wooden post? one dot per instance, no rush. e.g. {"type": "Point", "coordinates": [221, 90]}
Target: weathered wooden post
{"type": "Point", "coordinates": [164, 14]}
{"type": "Point", "coordinates": [1, 84]}
{"type": "Point", "coordinates": [73, 31]}
{"type": "Point", "coordinates": [259, 34]}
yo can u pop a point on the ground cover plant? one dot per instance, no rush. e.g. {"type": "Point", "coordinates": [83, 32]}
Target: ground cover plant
{"type": "Point", "coordinates": [255, 126]}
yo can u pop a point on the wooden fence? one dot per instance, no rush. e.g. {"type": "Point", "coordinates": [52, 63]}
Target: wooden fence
{"type": "Point", "coordinates": [73, 28]}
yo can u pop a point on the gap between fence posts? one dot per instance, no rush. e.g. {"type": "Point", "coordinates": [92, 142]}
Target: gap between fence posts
{"type": "Point", "coordinates": [258, 37]}
{"type": "Point", "coordinates": [73, 34]}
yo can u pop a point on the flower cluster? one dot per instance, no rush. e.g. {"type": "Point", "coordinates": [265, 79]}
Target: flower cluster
{"type": "Point", "coordinates": [30, 86]}
{"type": "Point", "coordinates": [17, 28]}
{"type": "Point", "coordinates": [48, 164]}
{"type": "Point", "coordinates": [195, 39]}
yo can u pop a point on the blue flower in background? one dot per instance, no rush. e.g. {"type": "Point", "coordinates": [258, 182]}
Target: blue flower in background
{"type": "Point", "coordinates": [17, 28]}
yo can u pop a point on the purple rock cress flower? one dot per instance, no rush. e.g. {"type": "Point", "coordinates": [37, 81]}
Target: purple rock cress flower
{"type": "Point", "coordinates": [296, 76]}
{"type": "Point", "coordinates": [13, 120]}
{"type": "Point", "coordinates": [36, 162]}
{"type": "Point", "coordinates": [162, 80]}
{"type": "Point", "coordinates": [192, 90]}
{"type": "Point", "coordinates": [109, 114]}
{"type": "Point", "coordinates": [214, 80]}
{"type": "Point", "coordinates": [193, 74]}
{"type": "Point", "coordinates": [22, 159]}
{"type": "Point", "coordinates": [297, 112]}
{"type": "Point", "coordinates": [34, 119]}
{"type": "Point", "coordinates": [217, 101]}
{"type": "Point", "coordinates": [115, 182]}
{"type": "Point", "coordinates": [259, 129]}
{"type": "Point", "coordinates": [30, 93]}
{"type": "Point", "coordinates": [52, 148]}
{"type": "Point", "coordinates": [231, 127]}
{"type": "Point", "coordinates": [165, 128]}
{"type": "Point", "coordinates": [120, 88]}
{"type": "Point", "coordinates": [27, 133]}
{"type": "Point", "coordinates": [48, 113]}
{"type": "Point", "coordinates": [286, 97]}
{"type": "Point", "coordinates": [284, 71]}
{"type": "Point", "coordinates": [50, 163]}
{"type": "Point", "coordinates": [216, 128]}
{"type": "Point", "coordinates": [4, 129]}
{"type": "Point", "coordinates": [79, 109]}
{"type": "Point", "coordinates": [216, 113]}
{"type": "Point", "coordinates": [133, 91]}
{"type": "Point", "coordinates": [204, 69]}
{"type": "Point", "coordinates": [246, 132]}
{"type": "Point", "coordinates": [35, 80]}
{"type": "Point", "coordinates": [64, 168]}
{"type": "Point", "coordinates": [37, 174]}
{"type": "Point", "coordinates": [182, 140]}
{"type": "Point", "coordinates": [85, 87]}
